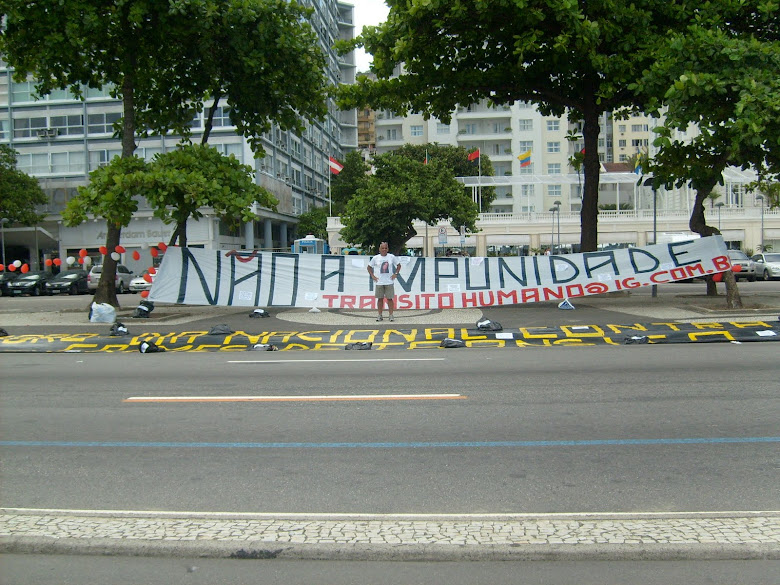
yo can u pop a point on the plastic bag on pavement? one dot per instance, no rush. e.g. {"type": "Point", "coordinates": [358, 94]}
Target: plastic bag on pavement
{"type": "Point", "coordinates": [359, 345]}
{"type": "Point", "coordinates": [150, 347]}
{"type": "Point", "coordinates": [264, 347]}
{"type": "Point", "coordinates": [143, 310]}
{"type": "Point", "coordinates": [118, 329]}
{"type": "Point", "coordinates": [449, 343]}
{"type": "Point", "coordinates": [488, 325]}
{"type": "Point", "coordinates": [102, 313]}
{"type": "Point", "coordinates": [259, 313]}
{"type": "Point", "coordinates": [220, 330]}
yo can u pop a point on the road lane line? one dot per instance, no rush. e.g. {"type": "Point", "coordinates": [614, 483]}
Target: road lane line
{"type": "Point", "coordinates": [360, 360]}
{"type": "Point", "coordinates": [323, 398]}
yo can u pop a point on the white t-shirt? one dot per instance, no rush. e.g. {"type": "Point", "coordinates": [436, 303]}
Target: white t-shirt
{"type": "Point", "coordinates": [384, 266]}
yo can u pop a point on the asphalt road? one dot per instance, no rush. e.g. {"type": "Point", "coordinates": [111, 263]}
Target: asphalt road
{"type": "Point", "coordinates": [600, 429]}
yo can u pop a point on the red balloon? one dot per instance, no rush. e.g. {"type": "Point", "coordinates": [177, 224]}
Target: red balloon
{"type": "Point", "coordinates": [47, 262]}
{"type": "Point", "coordinates": [81, 260]}
{"type": "Point", "coordinates": [136, 255]}
{"type": "Point", "coordinates": [57, 262]}
{"type": "Point", "coordinates": [120, 249]}
{"type": "Point", "coordinates": [25, 268]}
{"type": "Point", "coordinates": [154, 252]}
{"type": "Point", "coordinates": [736, 268]}
{"type": "Point", "coordinates": [11, 267]}
{"type": "Point", "coordinates": [147, 278]}
{"type": "Point", "coordinates": [144, 293]}
{"type": "Point", "coordinates": [717, 277]}
{"type": "Point", "coordinates": [152, 270]}
{"type": "Point", "coordinates": [163, 246]}
{"type": "Point", "coordinates": [103, 250]}
{"type": "Point", "coordinates": [82, 252]}
{"type": "Point", "coordinates": [2, 267]}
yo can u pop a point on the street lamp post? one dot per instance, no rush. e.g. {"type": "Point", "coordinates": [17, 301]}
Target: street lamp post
{"type": "Point", "coordinates": [761, 199]}
{"type": "Point", "coordinates": [558, 207]}
{"type": "Point", "coordinates": [552, 230]}
{"type": "Point", "coordinates": [719, 206]}
{"type": "Point", "coordinates": [3, 221]}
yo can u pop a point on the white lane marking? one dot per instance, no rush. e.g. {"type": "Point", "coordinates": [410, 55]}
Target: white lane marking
{"type": "Point", "coordinates": [321, 398]}
{"type": "Point", "coordinates": [357, 515]}
{"type": "Point", "coordinates": [305, 361]}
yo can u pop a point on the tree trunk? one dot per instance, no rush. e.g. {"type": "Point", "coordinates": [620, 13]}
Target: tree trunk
{"type": "Point", "coordinates": [698, 225]}
{"type": "Point", "coordinates": [589, 215]}
{"type": "Point", "coordinates": [106, 290]}
{"type": "Point", "coordinates": [208, 123]}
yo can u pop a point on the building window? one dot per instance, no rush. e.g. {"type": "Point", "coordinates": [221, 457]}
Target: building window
{"type": "Point", "coordinates": [68, 125]}
{"type": "Point", "coordinates": [639, 142]}
{"type": "Point", "coordinates": [554, 168]}
{"type": "Point", "coordinates": [100, 158]}
{"type": "Point", "coordinates": [392, 134]}
{"type": "Point", "coordinates": [525, 125]}
{"type": "Point", "coordinates": [442, 128]}
{"type": "Point", "coordinates": [554, 190]}
{"type": "Point", "coordinates": [28, 127]}
{"type": "Point", "coordinates": [102, 123]}
{"type": "Point", "coordinates": [221, 117]}
{"type": "Point", "coordinates": [553, 125]}
{"type": "Point", "coordinates": [416, 130]}
{"type": "Point", "coordinates": [553, 147]}
{"type": "Point", "coordinates": [234, 150]}
{"type": "Point", "coordinates": [621, 143]}
{"type": "Point", "coordinates": [470, 128]}
{"type": "Point", "coordinates": [639, 128]}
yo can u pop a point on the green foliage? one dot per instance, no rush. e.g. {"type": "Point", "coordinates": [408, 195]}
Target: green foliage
{"type": "Point", "coordinates": [456, 159]}
{"type": "Point", "coordinates": [112, 193]}
{"type": "Point", "coordinates": [401, 191]}
{"type": "Point", "coordinates": [352, 177]}
{"type": "Point", "coordinates": [261, 55]}
{"type": "Point", "coordinates": [183, 181]}
{"type": "Point", "coordinates": [726, 80]}
{"type": "Point", "coordinates": [315, 222]}
{"type": "Point", "coordinates": [563, 55]}
{"type": "Point", "coordinates": [19, 192]}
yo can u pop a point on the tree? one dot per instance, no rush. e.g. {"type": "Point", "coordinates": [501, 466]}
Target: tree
{"type": "Point", "coordinates": [344, 185]}
{"type": "Point", "coordinates": [98, 43]}
{"type": "Point", "coordinates": [401, 191]}
{"type": "Point", "coordinates": [564, 56]}
{"type": "Point", "coordinates": [456, 159]}
{"type": "Point", "coordinates": [726, 80]}
{"type": "Point", "coordinates": [314, 222]}
{"type": "Point", "coordinates": [183, 181]}
{"type": "Point", "coordinates": [262, 56]}
{"type": "Point", "coordinates": [19, 192]}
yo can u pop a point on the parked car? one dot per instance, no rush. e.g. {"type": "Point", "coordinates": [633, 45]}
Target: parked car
{"type": "Point", "coordinates": [32, 283]}
{"type": "Point", "coordinates": [6, 277]}
{"type": "Point", "coordinates": [73, 282]}
{"type": "Point", "coordinates": [739, 258]}
{"type": "Point", "coordinates": [767, 266]}
{"type": "Point", "coordinates": [122, 281]}
{"type": "Point", "coordinates": [139, 283]}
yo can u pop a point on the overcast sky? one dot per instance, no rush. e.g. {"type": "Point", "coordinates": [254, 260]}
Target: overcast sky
{"type": "Point", "coordinates": [367, 13]}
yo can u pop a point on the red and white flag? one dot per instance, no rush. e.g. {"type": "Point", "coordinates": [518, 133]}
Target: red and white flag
{"type": "Point", "coordinates": [335, 166]}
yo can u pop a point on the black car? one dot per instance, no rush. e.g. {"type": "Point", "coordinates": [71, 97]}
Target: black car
{"type": "Point", "coordinates": [5, 278]}
{"type": "Point", "coordinates": [32, 283]}
{"type": "Point", "coordinates": [73, 282]}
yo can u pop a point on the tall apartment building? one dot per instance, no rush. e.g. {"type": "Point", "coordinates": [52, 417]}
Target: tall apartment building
{"type": "Point", "coordinates": [60, 140]}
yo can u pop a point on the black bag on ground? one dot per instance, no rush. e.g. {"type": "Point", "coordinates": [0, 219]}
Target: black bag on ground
{"type": "Point", "coordinates": [488, 325]}
{"type": "Point", "coordinates": [150, 347]}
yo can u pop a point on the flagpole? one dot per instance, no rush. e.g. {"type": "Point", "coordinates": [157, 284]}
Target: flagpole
{"type": "Point", "coordinates": [330, 199]}
{"type": "Point", "coordinates": [480, 181]}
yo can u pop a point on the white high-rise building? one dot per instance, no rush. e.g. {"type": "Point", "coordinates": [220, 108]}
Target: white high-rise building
{"type": "Point", "coordinates": [61, 139]}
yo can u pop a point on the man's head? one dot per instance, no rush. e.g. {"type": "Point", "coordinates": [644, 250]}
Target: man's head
{"type": "Point", "coordinates": [383, 248]}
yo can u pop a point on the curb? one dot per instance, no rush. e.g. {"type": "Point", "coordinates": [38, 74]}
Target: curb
{"type": "Point", "coordinates": [671, 536]}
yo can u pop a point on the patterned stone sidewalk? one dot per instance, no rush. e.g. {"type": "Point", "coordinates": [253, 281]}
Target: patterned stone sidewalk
{"type": "Point", "coordinates": [394, 537]}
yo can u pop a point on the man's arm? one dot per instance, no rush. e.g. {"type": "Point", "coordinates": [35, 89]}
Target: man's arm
{"type": "Point", "coordinates": [370, 269]}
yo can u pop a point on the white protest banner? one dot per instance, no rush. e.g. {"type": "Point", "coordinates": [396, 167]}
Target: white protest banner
{"type": "Point", "coordinates": [271, 279]}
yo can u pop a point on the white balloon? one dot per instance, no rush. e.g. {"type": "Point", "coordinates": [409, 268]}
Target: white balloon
{"type": "Point", "coordinates": [70, 259]}
{"type": "Point", "coordinates": [17, 263]}
{"type": "Point", "coordinates": [144, 246]}
{"type": "Point", "coordinates": [115, 256]}
{"type": "Point", "coordinates": [87, 260]}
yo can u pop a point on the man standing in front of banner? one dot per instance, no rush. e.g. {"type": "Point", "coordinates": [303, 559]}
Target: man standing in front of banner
{"type": "Point", "coordinates": [384, 268]}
